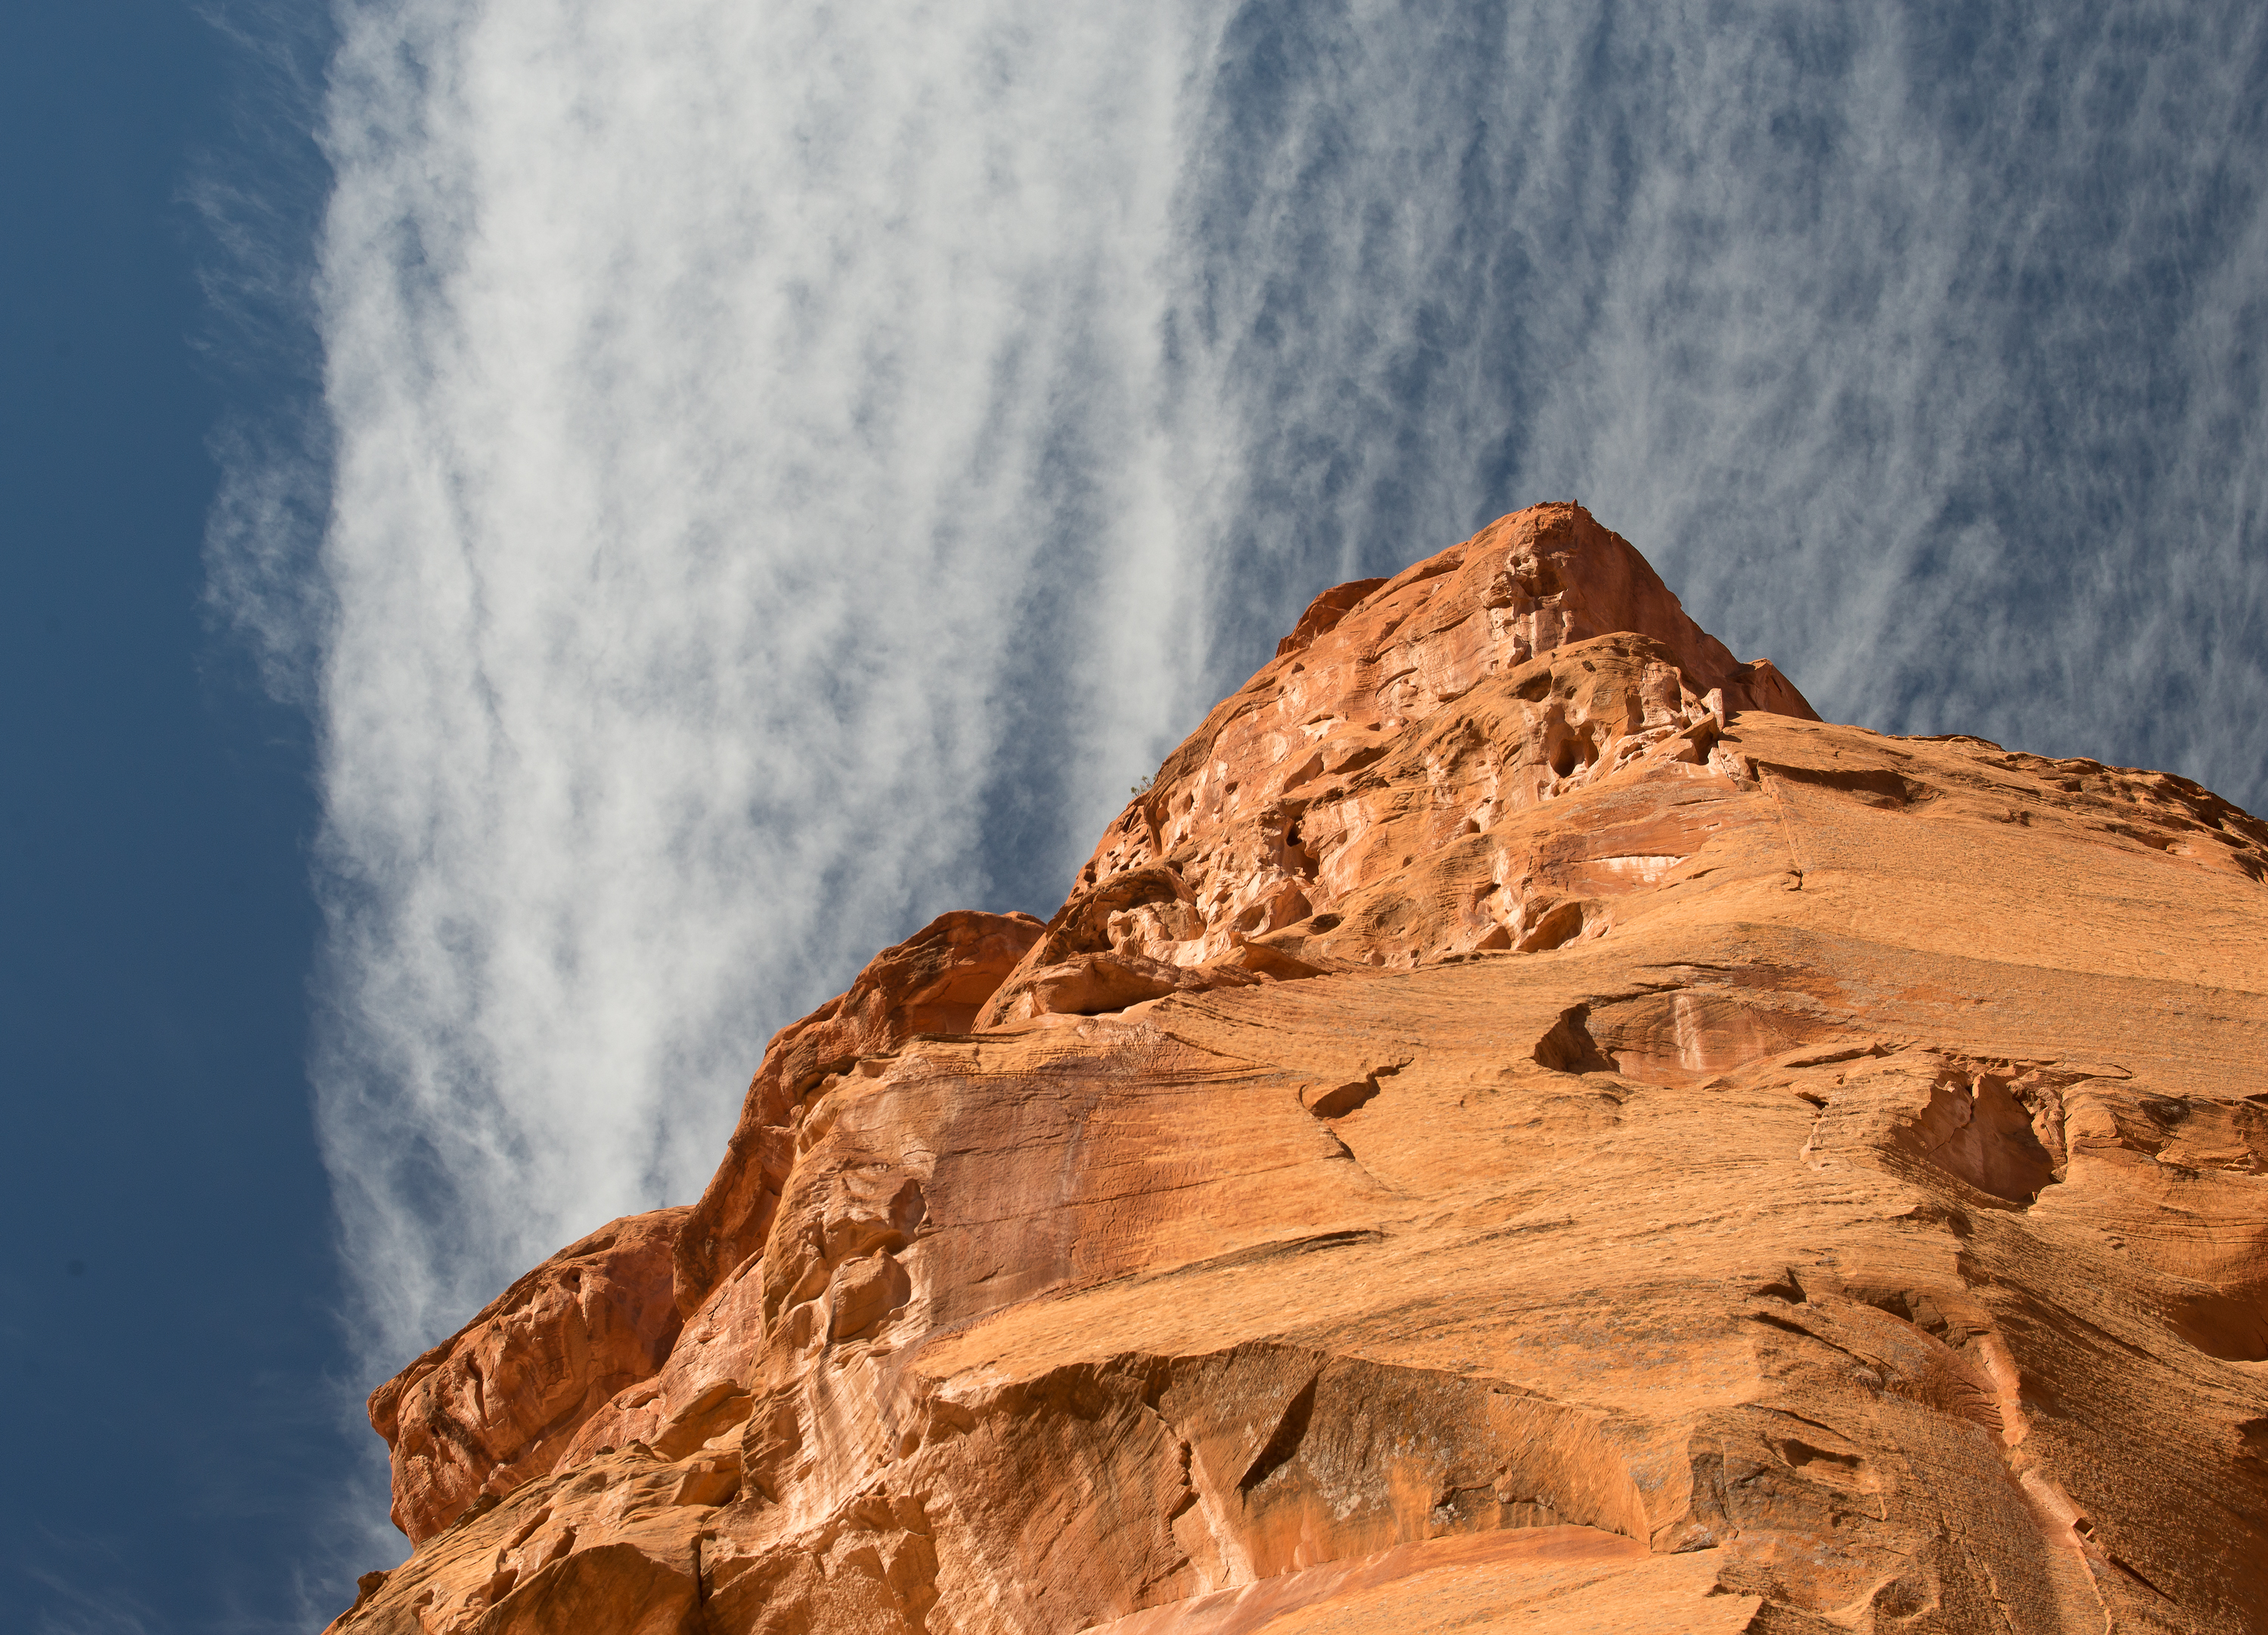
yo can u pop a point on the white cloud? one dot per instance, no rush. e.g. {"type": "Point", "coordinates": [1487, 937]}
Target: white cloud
{"type": "Point", "coordinates": [794, 466]}
{"type": "Point", "coordinates": [718, 387]}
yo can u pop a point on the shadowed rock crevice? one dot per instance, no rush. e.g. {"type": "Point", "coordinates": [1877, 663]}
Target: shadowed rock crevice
{"type": "Point", "coordinates": [1291, 1430]}
{"type": "Point", "coordinates": [1569, 1048]}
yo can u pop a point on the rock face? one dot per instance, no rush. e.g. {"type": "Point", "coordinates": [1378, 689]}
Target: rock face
{"type": "Point", "coordinates": [497, 1402]}
{"type": "Point", "coordinates": [1520, 1127]}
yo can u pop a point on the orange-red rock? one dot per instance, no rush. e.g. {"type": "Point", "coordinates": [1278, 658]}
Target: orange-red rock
{"type": "Point", "coordinates": [934, 981]}
{"type": "Point", "coordinates": [494, 1403]}
{"type": "Point", "coordinates": [498, 1401]}
{"type": "Point", "coordinates": [1520, 1127]}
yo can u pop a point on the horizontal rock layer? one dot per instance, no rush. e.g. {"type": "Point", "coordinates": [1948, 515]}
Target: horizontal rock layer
{"type": "Point", "coordinates": [1519, 1126]}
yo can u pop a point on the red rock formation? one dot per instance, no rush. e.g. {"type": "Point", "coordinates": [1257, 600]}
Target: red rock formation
{"type": "Point", "coordinates": [1520, 1126]}
{"type": "Point", "coordinates": [495, 1402]}
{"type": "Point", "coordinates": [934, 981]}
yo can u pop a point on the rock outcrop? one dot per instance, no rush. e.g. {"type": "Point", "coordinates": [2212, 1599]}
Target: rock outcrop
{"type": "Point", "coordinates": [1519, 1126]}
{"type": "Point", "coordinates": [498, 1400]}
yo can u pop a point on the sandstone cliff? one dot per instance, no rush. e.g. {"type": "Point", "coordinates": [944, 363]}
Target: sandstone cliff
{"type": "Point", "coordinates": [1520, 1126]}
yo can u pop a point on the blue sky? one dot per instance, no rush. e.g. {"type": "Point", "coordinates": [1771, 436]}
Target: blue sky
{"type": "Point", "coordinates": [171, 1303]}
{"type": "Point", "coordinates": [540, 535]}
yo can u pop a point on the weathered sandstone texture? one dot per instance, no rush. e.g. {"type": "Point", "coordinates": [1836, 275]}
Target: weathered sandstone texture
{"type": "Point", "coordinates": [1520, 1127]}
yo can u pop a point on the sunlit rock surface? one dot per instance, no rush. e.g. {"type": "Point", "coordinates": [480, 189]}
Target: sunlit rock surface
{"type": "Point", "coordinates": [497, 1402]}
{"type": "Point", "coordinates": [1519, 1127]}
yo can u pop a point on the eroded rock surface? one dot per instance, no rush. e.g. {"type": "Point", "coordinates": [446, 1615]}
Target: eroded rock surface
{"type": "Point", "coordinates": [494, 1403]}
{"type": "Point", "coordinates": [1520, 1127]}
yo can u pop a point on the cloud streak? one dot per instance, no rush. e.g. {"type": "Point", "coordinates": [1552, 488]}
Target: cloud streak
{"type": "Point", "coordinates": [729, 401]}
{"type": "Point", "coordinates": [789, 470]}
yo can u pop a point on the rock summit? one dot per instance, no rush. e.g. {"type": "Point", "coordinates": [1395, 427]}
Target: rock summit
{"type": "Point", "coordinates": [1520, 1127]}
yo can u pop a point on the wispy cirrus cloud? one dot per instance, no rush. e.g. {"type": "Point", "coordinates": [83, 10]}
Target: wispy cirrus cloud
{"type": "Point", "coordinates": [743, 414]}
